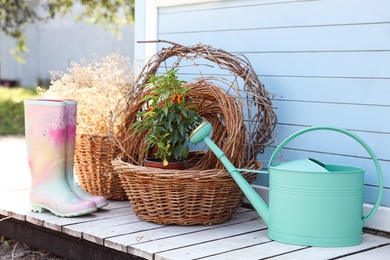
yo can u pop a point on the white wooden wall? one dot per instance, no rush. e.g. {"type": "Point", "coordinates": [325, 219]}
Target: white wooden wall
{"type": "Point", "coordinates": [327, 62]}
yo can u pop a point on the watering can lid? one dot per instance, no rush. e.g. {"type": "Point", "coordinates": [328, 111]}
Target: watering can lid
{"type": "Point", "coordinates": [305, 165]}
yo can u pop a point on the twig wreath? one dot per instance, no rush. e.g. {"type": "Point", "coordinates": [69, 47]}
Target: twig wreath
{"type": "Point", "coordinates": [241, 113]}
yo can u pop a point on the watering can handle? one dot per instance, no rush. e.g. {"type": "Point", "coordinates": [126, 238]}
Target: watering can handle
{"type": "Point", "coordinates": [357, 138]}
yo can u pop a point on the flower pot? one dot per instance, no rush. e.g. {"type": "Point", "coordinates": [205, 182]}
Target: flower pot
{"type": "Point", "coordinates": [157, 163]}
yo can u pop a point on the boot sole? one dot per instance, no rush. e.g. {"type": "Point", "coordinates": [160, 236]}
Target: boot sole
{"type": "Point", "coordinates": [101, 205]}
{"type": "Point", "coordinates": [41, 208]}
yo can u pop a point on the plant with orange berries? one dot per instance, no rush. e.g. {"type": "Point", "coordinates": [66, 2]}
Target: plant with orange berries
{"type": "Point", "coordinates": [169, 118]}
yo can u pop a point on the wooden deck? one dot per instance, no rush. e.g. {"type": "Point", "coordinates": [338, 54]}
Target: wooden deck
{"type": "Point", "coordinates": [115, 232]}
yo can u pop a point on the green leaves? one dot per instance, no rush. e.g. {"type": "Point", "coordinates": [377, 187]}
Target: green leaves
{"type": "Point", "coordinates": [172, 119]}
{"type": "Point", "coordinates": [12, 109]}
{"type": "Point", "coordinates": [15, 16]}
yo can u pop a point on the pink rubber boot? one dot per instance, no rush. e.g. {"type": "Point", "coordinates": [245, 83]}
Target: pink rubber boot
{"type": "Point", "coordinates": [45, 128]}
{"type": "Point", "coordinates": [71, 115]}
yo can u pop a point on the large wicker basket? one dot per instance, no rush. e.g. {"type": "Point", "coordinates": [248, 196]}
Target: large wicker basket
{"type": "Point", "coordinates": [203, 193]}
{"type": "Point", "coordinates": [93, 156]}
{"type": "Point", "coordinates": [187, 197]}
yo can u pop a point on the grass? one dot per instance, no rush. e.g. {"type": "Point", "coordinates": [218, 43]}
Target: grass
{"type": "Point", "coordinates": [12, 110]}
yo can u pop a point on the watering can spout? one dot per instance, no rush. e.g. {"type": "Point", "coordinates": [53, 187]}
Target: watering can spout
{"type": "Point", "coordinates": [201, 133]}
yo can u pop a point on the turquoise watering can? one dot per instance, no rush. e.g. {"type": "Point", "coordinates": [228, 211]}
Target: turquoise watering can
{"type": "Point", "coordinates": [310, 203]}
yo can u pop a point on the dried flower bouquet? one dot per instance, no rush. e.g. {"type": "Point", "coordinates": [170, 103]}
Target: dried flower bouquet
{"type": "Point", "coordinates": [98, 86]}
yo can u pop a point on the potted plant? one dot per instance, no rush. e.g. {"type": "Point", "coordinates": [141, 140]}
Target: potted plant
{"type": "Point", "coordinates": [169, 118]}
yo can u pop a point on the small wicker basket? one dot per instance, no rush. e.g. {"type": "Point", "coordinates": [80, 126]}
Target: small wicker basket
{"type": "Point", "coordinates": [189, 197]}
{"type": "Point", "coordinates": [93, 156]}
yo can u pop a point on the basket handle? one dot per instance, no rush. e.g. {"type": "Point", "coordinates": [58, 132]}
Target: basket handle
{"type": "Point", "coordinates": [358, 139]}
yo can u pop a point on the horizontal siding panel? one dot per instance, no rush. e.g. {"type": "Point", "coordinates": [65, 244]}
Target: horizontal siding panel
{"type": "Point", "coordinates": [220, 16]}
{"type": "Point", "coordinates": [329, 142]}
{"type": "Point", "coordinates": [329, 90]}
{"type": "Point", "coordinates": [300, 39]}
{"type": "Point", "coordinates": [364, 91]}
{"type": "Point", "coordinates": [354, 117]}
{"type": "Point", "coordinates": [332, 64]}
{"type": "Point", "coordinates": [218, 4]}
{"type": "Point", "coordinates": [370, 194]}
{"type": "Point", "coordinates": [313, 64]}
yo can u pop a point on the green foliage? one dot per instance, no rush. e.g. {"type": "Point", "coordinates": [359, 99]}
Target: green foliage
{"type": "Point", "coordinates": [16, 94]}
{"type": "Point", "coordinates": [12, 109]}
{"type": "Point", "coordinates": [16, 15]}
{"type": "Point", "coordinates": [11, 118]}
{"type": "Point", "coordinates": [170, 117]}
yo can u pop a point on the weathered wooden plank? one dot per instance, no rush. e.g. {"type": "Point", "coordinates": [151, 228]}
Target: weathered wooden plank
{"type": "Point", "coordinates": [51, 221]}
{"type": "Point", "coordinates": [114, 227]}
{"type": "Point", "coordinates": [119, 219]}
{"type": "Point", "coordinates": [375, 253]}
{"type": "Point", "coordinates": [369, 241]}
{"type": "Point", "coordinates": [131, 224]}
{"type": "Point", "coordinates": [216, 246]}
{"type": "Point", "coordinates": [40, 218]}
{"type": "Point", "coordinates": [106, 235]}
{"type": "Point", "coordinates": [57, 223]}
{"type": "Point", "coordinates": [77, 228]}
{"type": "Point", "coordinates": [159, 232]}
{"type": "Point", "coordinates": [262, 251]}
{"type": "Point", "coordinates": [148, 249]}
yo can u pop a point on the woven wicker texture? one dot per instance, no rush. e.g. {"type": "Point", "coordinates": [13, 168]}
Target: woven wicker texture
{"type": "Point", "coordinates": [188, 197]}
{"type": "Point", "coordinates": [93, 156]}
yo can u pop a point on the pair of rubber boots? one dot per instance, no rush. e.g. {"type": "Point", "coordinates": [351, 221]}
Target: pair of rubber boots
{"type": "Point", "coordinates": [50, 127]}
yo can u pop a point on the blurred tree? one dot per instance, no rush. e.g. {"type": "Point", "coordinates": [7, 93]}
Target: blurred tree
{"type": "Point", "coordinates": [16, 15]}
